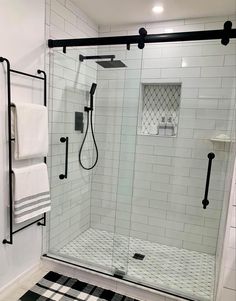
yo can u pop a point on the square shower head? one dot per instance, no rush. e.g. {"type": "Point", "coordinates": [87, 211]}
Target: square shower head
{"type": "Point", "coordinates": [111, 64]}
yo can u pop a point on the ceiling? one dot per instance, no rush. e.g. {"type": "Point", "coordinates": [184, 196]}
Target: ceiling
{"type": "Point", "coordinates": [113, 12]}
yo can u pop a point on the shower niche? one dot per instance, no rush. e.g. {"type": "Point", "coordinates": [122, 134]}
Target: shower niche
{"type": "Point", "coordinates": [159, 109]}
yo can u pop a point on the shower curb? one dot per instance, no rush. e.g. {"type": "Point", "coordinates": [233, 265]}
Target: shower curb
{"type": "Point", "coordinates": [108, 281]}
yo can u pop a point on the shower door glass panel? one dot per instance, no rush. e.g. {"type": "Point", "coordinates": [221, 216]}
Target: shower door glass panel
{"type": "Point", "coordinates": [111, 184]}
{"type": "Point", "coordinates": [128, 107]}
{"type": "Point", "coordinates": [71, 234]}
{"type": "Point", "coordinates": [188, 88]}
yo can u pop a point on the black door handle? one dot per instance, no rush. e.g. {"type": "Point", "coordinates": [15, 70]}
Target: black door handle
{"type": "Point", "coordinates": [65, 140]}
{"type": "Point", "coordinates": [205, 201]}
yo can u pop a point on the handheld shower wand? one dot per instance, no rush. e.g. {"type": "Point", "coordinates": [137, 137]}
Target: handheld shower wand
{"type": "Point", "coordinates": [89, 111]}
{"type": "Point", "coordinates": [92, 91]}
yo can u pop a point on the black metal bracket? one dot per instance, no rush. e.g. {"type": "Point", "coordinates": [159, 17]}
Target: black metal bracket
{"type": "Point", "coordinates": [87, 109]}
{"type": "Point", "coordinates": [205, 201]}
{"type": "Point", "coordinates": [226, 33]}
{"type": "Point", "coordinates": [143, 34]}
{"type": "Point", "coordinates": [143, 38]}
{"type": "Point", "coordinates": [41, 221]}
{"type": "Point", "coordinates": [65, 140]}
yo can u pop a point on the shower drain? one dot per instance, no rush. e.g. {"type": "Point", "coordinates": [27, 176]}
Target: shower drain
{"type": "Point", "coordinates": [138, 256]}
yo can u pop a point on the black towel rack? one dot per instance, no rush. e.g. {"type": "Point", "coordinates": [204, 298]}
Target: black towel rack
{"type": "Point", "coordinates": [41, 221]}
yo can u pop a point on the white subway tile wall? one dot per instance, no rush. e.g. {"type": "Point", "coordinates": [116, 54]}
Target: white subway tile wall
{"type": "Point", "coordinates": [227, 283]}
{"type": "Point", "coordinates": [152, 187]}
{"type": "Point", "coordinates": [69, 81]}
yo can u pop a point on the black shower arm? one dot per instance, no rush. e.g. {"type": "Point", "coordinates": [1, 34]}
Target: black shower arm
{"type": "Point", "coordinates": [95, 57]}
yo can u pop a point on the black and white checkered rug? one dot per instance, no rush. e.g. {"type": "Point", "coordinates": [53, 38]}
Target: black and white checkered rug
{"type": "Point", "coordinates": [55, 287]}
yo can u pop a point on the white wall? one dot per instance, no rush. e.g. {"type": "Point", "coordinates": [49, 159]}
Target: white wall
{"type": "Point", "coordinates": [169, 179]}
{"type": "Point", "coordinates": [23, 43]}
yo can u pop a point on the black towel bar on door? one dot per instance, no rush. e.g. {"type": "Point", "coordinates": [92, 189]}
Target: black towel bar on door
{"type": "Point", "coordinates": [41, 221]}
{"type": "Point", "coordinates": [65, 140]}
{"type": "Point", "coordinates": [205, 201]}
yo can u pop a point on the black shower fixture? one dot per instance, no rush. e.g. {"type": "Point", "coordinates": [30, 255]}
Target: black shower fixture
{"type": "Point", "coordinates": [92, 91]}
{"type": "Point", "coordinates": [96, 57]}
{"type": "Point", "coordinates": [108, 63]}
{"type": "Point", "coordinates": [111, 64]}
{"type": "Point", "coordinates": [89, 111]}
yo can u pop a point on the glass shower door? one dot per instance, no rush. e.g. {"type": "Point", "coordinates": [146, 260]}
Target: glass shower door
{"type": "Point", "coordinates": [108, 126]}
{"type": "Point", "coordinates": [84, 204]}
{"type": "Point", "coordinates": [183, 112]}
{"type": "Point", "coordinates": [126, 158]}
{"type": "Point", "coordinates": [71, 81]}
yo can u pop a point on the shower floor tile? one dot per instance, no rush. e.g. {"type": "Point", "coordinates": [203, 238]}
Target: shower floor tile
{"type": "Point", "coordinates": [180, 271]}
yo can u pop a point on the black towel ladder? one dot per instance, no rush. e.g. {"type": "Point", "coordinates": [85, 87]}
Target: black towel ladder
{"type": "Point", "coordinates": [41, 221]}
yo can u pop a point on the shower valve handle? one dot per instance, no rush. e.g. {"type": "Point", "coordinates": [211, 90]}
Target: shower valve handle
{"type": "Point", "coordinates": [205, 201]}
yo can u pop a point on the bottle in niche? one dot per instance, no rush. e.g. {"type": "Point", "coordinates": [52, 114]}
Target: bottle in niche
{"type": "Point", "coordinates": [157, 128]}
{"type": "Point", "coordinates": [170, 129]}
{"type": "Point", "coordinates": [161, 129]}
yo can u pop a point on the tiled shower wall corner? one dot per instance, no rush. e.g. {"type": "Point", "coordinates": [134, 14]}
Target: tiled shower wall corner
{"type": "Point", "coordinates": [69, 82]}
{"type": "Point", "coordinates": [227, 283]}
{"type": "Point", "coordinates": [169, 174]}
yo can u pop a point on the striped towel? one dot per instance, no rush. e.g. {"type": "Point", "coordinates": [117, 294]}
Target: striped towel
{"type": "Point", "coordinates": [31, 192]}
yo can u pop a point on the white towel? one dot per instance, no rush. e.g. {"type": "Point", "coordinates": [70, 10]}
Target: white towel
{"type": "Point", "coordinates": [31, 192]}
{"type": "Point", "coordinates": [30, 130]}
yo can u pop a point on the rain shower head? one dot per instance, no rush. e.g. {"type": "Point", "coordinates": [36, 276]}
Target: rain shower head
{"type": "Point", "coordinates": [111, 64]}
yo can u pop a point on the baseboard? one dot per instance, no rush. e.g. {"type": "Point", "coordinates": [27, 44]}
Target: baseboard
{"type": "Point", "coordinates": [7, 287]}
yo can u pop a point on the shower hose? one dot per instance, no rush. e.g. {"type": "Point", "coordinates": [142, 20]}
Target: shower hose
{"type": "Point", "coordinates": [84, 139]}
